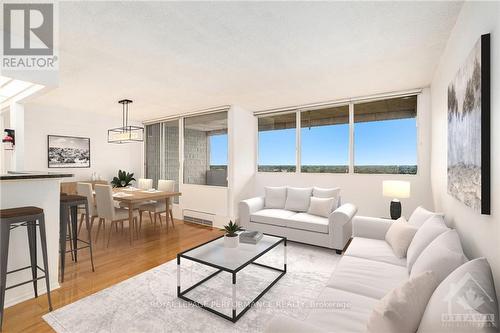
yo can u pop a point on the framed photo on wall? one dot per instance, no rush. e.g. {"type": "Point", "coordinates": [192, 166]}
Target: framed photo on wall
{"type": "Point", "coordinates": [469, 129]}
{"type": "Point", "coordinates": [68, 151]}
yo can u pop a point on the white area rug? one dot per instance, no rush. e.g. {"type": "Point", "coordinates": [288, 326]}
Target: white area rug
{"type": "Point", "coordinates": [148, 302]}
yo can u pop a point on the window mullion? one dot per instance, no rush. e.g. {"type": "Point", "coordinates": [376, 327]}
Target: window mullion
{"type": "Point", "coordinates": [298, 150]}
{"type": "Point", "coordinates": [351, 138]}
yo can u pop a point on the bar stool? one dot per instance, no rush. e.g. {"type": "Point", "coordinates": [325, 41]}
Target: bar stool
{"type": "Point", "coordinates": [23, 217]}
{"type": "Point", "coordinates": [70, 203]}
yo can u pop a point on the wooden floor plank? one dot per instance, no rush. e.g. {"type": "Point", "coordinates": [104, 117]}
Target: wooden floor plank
{"type": "Point", "coordinates": [117, 263]}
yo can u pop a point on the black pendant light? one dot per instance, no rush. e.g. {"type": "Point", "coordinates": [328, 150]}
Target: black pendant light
{"type": "Point", "coordinates": [127, 133]}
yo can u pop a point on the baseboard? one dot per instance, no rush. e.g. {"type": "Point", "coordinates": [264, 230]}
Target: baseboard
{"type": "Point", "coordinates": [42, 290]}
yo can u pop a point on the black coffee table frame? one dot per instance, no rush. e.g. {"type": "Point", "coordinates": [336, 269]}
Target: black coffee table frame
{"type": "Point", "coordinates": [235, 317]}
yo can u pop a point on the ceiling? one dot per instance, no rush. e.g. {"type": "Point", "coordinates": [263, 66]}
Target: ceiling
{"type": "Point", "coordinates": [176, 57]}
{"type": "Point", "coordinates": [11, 90]}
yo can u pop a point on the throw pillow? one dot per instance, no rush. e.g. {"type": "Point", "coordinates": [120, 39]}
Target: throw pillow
{"type": "Point", "coordinates": [297, 199]}
{"type": "Point", "coordinates": [432, 228]}
{"type": "Point", "coordinates": [319, 192]}
{"type": "Point", "coordinates": [464, 302]}
{"type": "Point", "coordinates": [442, 256]}
{"type": "Point", "coordinates": [321, 206]}
{"type": "Point", "coordinates": [275, 197]}
{"type": "Point", "coordinates": [399, 236]}
{"type": "Point", "coordinates": [402, 308]}
{"type": "Point", "coordinates": [420, 215]}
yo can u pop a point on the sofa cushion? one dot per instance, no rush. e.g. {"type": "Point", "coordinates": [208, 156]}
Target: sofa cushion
{"type": "Point", "coordinates": [399, 237]}
{"type": "Point", "coordinates": [367, 277]}
{"type": "Point", "coordinates": [419, 216]}
{"type": "Point", "coordinates": [343, 311]}
{"type": "Point", "coordinates": [275, 197]}
{"type": "Point", "coordinates": [443, 255]}
{"type": "Point", "coordinates": [305, 221]}
{"type": "Point", "coordinates": [321, 206]}
{"type": "Point", "coordinates": [401, 310]}
{"type": "Point", "coordinates": [432, 228]}
{"type": "Point", "coordinates": [469, 286]}
{"type": "Point", "coordinates": [272, 216]}
{"type": "Point", "coordinates": [319, 192]}
{"type": "Point", "coordinates": [297, 199]}
{"type": "Point", "coordinates": [373, 249]}
{"type": "Point", "coordinates": [334, 192]}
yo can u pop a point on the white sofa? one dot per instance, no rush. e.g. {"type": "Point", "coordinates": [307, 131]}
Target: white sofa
{"type": "Point", "coordinates": [296, 223]}
{"type": "Point", "coordinates": [366, 273]}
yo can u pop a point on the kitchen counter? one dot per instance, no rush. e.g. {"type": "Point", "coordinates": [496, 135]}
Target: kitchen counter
{"type": "Point", "coordinates": [34, 175]}
{"type": "Point", "coordinates": [40, 189]}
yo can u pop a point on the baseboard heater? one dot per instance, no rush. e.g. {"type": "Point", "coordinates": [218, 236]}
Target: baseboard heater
{"type": "Point", "coordinates": [202, 218]}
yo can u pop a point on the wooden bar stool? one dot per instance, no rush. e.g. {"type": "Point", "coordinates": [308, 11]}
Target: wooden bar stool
{"type": "Point", "coordinates": [29, 217]}
{"type": "Point", "coordinates": [70, 203]}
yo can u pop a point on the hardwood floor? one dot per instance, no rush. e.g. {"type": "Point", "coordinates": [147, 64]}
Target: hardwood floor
{"type": "Point", "coordinates": [112, 265]}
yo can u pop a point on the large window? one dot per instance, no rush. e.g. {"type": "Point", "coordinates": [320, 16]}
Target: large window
{"type": "Point", "coordinates": [386, 136]}
{"type": "Point", "coordinates": [162, 152]}
{"type": "Point", "coordinates": [205, 149]}
{"type": "Point", "coordinates": [324, 136]}
{"type": "Point", "coordinates": [370, 137]}
{"type": "Point", "coordinates": [277, 137]}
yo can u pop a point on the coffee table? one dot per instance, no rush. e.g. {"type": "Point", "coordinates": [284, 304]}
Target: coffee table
{"type": "Point", "coordinates": [232, 260]}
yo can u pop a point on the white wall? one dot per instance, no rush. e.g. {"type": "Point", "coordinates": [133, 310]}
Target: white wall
{"type": "Point", "coordinates": [106, 158]}
{"type": "Point", "coordinates": [242, 141]}
{"type": "Point", "coordinates": [480, 234]}
{"type": "Point", "coordinates": [365, 191]}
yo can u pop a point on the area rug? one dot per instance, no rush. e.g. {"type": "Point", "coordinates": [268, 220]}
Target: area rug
{"type": "Point", "coordinates": [148, 302]}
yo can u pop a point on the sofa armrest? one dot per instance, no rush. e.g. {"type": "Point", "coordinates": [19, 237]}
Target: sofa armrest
{"type": "Point", "coordinates": [340, 225]}
{"type": "Point", "coordinates": [370, 227]}
{"type": "Point", "coordinates": [283, 324]}
{"type": "Point", "coordinates": [248, 207]}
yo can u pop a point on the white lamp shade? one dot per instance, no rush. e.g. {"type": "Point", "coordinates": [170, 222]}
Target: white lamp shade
{"type": "Point", "coordinates": [396, 189]}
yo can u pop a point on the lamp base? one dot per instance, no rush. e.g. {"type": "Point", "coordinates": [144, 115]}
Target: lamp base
{"type": "Point", "coordinates": [395, 209]}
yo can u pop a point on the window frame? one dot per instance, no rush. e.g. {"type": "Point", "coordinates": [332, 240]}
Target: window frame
{"type": "Point", "coordinates": [297, 142]}
{"type": "Point", "coordinates": [182, 124]}
{"type": "Point", "coordinates": [351, 103]}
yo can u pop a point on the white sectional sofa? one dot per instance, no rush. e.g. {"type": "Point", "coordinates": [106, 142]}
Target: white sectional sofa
{"type": "Point", "coordinates": [369, 270]}
{"type": "Point", "coordinates": [308, 215]}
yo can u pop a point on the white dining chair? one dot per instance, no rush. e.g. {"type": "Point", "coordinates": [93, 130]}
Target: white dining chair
{"type": "Point", "coordinates": [145, 183]}
{"type": "Point", "coordinates": [106, 211]}
{"type": "Point", "coordinates": [157, 208]}
{"type": "Point", "coordinates": [85, 190]}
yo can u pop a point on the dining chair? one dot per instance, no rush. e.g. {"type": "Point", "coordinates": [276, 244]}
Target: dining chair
{"type": "Point", "coordinates": [106, 211]}
{"type": "Point", "coordinates": [157, 208]}
{"type": "Point", "coordinates": [145, 183]}
{"type": "Point", "coordinates": [85, 189]}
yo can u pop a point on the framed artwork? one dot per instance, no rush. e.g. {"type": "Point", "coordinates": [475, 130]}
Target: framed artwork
{"type": "Point", "coordinates": [469, 129]}
{"type": "Point", "coordinates": [68, 152]}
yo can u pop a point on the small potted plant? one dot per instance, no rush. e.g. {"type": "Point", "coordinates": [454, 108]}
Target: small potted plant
{"type": "Point", "coordinates": [123, 180]}
{"type": "Point", "coordinates": [231, 238]}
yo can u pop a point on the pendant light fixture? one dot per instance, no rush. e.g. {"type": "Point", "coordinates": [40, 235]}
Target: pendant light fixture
{"type": "Point", "coordinates": [127, 133]}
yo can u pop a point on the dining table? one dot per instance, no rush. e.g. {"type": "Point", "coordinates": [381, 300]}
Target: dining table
{"type": "Point", "coordinates": [131, 197]}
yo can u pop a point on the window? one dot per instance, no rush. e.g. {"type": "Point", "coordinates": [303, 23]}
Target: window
{"type": "Point", "coordinates": [277, 137]}
{"type": "Point", "coordinates": [206, 149]}
{"type": "Point", "coordinates": [162, 152]}
{"type": "Point", "coordinates": [385, 134]}
{"type": "Point", "coordinates": [324, 136]}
